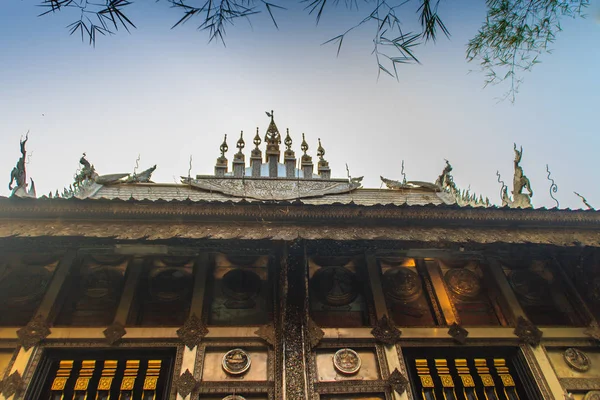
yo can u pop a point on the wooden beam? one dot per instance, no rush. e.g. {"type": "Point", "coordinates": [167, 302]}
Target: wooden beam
{"type": "Point", "coordinates": [48, 307]}
{"type": "Point", "coordinates": [132, 279]}
{"type": "Point", "coordinates": [201, 269]}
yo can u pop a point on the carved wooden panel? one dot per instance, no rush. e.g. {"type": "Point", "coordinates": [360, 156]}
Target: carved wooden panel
{"type": "Point", "coordinates": [23, 282]}
{"type": "Point", "coordinates": [541, 293]}
{"type": "Point", "coordinates": [337, 292]}
{"type": "Point", "coordinates": [92, 293]}
{"type": "Point", "coordinates": [469, 293]}
{"type": "Point", "coordinates": [164, 293]}
{"type": "Point", "coordinates": [410, 299]}
{"type": "Point", "coordinates": [239, 291]}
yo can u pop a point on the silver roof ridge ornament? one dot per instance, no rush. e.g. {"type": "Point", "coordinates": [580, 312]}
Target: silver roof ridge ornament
{"type": "Point", "coordinates": [18, 175]}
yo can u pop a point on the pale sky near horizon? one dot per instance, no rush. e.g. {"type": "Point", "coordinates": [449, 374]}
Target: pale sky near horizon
{"type": "Point", "coordinates": [166, 94]}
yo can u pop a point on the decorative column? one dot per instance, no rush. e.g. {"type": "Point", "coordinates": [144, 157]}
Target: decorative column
{"type": "Point", "coordinates": [289, 157]}
{"type": "Point", "coordinates": [294, 307]}
{"type": "Point", "coordinates": [239, 160]}
{"type": "Point", "coordinates": [221, 166]}
{"type": "Point", "coordinates": [256, 157]}
{"type": "Point", "coordinates": [307, 164]}
{"type": "Point", "coordinates": [324, 171]}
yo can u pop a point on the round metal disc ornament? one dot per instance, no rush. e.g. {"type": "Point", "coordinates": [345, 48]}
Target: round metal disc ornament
{"type": "Point", "coordinates": [346, 361]}
{"type": "Point", "coordinates": [577, 360]}
{"type": "Point", "coordinates": [236, 362]}
{"type": "Point", "coordinates": [234, 397]}
{"type": "Point", "coordinates": [463, 283]}
{"type": "Point", "coordinates": [593, 395]}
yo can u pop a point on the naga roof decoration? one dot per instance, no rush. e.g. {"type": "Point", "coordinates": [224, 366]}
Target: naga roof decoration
{"type": "Point", "coordinates": [18, 175]}
{"type": "Point", "coordinates": [444, 185]}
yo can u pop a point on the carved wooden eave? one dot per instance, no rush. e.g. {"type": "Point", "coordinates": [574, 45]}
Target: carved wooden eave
{"type": "Point", "coordinates": [153, 220]}
{"type": "Point", "coordinates": [276, 189]}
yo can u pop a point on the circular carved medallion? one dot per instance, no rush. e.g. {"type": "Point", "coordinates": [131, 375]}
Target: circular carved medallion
{"type": "Point", "coordinates": [102, 282]}
{"type": "Point", "coordinates": [169, 284]}
{"type": "Point", "coordinates": [593, 395]}
{"type": "Point", "coordinates": [530, 286]}
{"type": "Point", "coordinates": [236, 362]}
{"type": "Point", "coordinates": [402, 284]}
{"type": "Point", "coordinates": [20, 288]}
{"type": "Point", "coordinates": [346, 361]}
{"type": "Point", "coordinates": [577, 359]}
{"type": "Point", "coordinates": [234, 397]}
{"type": "Point", "coordinates": [463, 283]}
{"type": "Point", "coordinates": [335, 286]}
{"type": "Point", "coordinates": [241, 284]}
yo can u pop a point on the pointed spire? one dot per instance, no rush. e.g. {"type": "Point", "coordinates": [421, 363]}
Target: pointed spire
{"type": "Point", "coordinates": [324, 171]}
{"type": "Point", "coordinates": [224, 146]}
{"type": "Point", "coordinates": [239, 160]}
{"type": "Point", "coordinates": [289, 157]}
{"type": "Point", "coordinates": [288, 141]}
{"type": "Point", "coordinates": [272, 137]}
{"type": "Point", "coordinates": [304, 145]}
{"type": "Point", "coordinates": [221, 166]}
{"type": "Point", "coordinates": [320, 151]}
{"type": "Point", "coordinates": [240, 143]}
{"type": "Point", "coordinates": [257, 140]}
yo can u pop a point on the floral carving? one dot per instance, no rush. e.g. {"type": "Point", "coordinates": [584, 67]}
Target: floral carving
{"type": "Point", "coordinates": [186, 383]}
{"type": "Point", "coordinates": [528, 332]}
{"type": "Point", "coordinates": [12, 384]}
{"type": "Point", "coordinates": [315, 333]}
{"type": "Point", "coordinates": [458, 333]}
{"type": "Point", "coordinates": [386, 332]}
{"type": "Point", "coordinates": [192, 332]}
{"type": "Point", "coordinates": [34, 332]}
{"type": "Point", "coordinates": [266, 333]}
{"type": "Point", "coordinates": [398, 382]}
{"type": "Point", "coordinates": [114, 333]}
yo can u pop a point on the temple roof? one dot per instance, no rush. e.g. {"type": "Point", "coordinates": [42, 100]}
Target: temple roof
{"type": "Point", "coordinates": [270, 176]}
{"type": "Point", "coordinates": [366, 197]}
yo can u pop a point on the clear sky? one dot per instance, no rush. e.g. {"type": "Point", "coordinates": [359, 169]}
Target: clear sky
{"type": "Point", "coordinates": [166, 94]}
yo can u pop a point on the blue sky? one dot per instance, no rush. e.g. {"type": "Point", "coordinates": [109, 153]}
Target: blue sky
{"type": "Point", "coordinates": [167, 95]}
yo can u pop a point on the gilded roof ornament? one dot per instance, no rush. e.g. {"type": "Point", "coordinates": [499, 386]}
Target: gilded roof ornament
{"type": "Point", "coordinates": [224, 146]}
{"type": "Point", "coordinates": [320, 151]}
{"type": "Point", "coordinates": [304, 145]}
{"type": "Point", "coordinates": [587, 204]}
{"type": "Point", "coordinates": [18, 175]}
{"type": "Point", "coordinates": [553, 187]}
{"type": "Point", "coordinates": [520, 183]}
{"type": "Point", "coordinates": [272, 137]}
{"type": "Point", "coordinates": [240, 143]}
{"type": "Point", "coordinates": [257, 140]}
{"type": "Point", "coordinates": [288, 141]}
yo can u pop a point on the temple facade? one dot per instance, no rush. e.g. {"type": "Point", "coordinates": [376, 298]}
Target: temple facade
{"type": "Point", "coordinates": [271, 279]}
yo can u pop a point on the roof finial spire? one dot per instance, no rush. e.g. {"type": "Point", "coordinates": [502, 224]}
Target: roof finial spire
{"type": "Point", "coordinates": [240, 143]}
{"type": "Point", "coordinates": [288, 140]}
{"type": "Point", "coordinates": [224, 146]}
{"type": "Point", "coordinates": [304, 145]}
{"type": "Point", "coordinates": [257, 141]}
{"type": "Point", "coordinates": [320, 151]}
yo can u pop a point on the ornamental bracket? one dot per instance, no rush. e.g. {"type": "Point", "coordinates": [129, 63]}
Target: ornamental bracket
{"type": "Point", "coordinates": [192, 332]}
{"type": "Point", "coordinates": [528, 332]}
{"type": "Point", "coordinates": [386, 332]}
